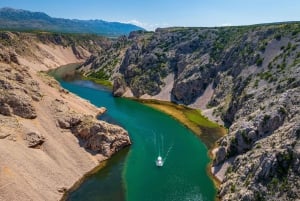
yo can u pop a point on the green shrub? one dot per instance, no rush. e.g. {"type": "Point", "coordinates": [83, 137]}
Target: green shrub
{"type": "Point", "coordinates": [290, 80]}
{"type": "Point", "coordinates": [270, 66]}
{"type": "Point", "coordinates": [229, 170]}
{"type": "Point", "coordinates": [262, 48]}
{"type": "Point", "coordinates": [246, 139]}
{"type": "Point", "coordinates": [266, 75]}
{"type": "Point", "coordinates": [289, 46]}
{"type": "Point", "coordinates": [100, 74]}
{"type": "Point", "coordinates": [256, 83]}
{"type": "Point", "coordinates": [266, 119]}
{"type": "Point", "coordinates": [232, 188]}
{"type": "Point", "coordinates": [278, 37]}
{"type": "Point", "coordinates": [259, 61]}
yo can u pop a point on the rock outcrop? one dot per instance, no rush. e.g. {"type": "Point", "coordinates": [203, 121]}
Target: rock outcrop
{"type": "Point", "coordinates": [17, 91]}
{"type": "Point", "coordinates": [34, 139]}
{"type": "Point", "coordinates": [100, 136]}
{"type": "Point", "coordinates": [254, 72]}
{"type": "Point", "coordinates": [119, 87]}
{"type": "Point", "coordinates": [94, 135]}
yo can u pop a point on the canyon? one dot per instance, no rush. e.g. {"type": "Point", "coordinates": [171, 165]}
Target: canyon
{"type": "Point", "coordinates": [246, 78]}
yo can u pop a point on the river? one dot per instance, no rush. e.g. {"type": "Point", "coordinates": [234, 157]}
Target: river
{"type": "Point", "coordinates": [131, 174]}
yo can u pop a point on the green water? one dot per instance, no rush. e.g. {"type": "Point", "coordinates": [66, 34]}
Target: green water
{"type": "Point", "coordinates": [131, 174]}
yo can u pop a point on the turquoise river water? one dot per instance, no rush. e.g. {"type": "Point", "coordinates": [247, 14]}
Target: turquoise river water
{"type": "Point", "coordinates": [131, 174]}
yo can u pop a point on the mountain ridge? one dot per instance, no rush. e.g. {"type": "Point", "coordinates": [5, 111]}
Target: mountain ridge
{"type": "Point", "coordinates": [23, 20]}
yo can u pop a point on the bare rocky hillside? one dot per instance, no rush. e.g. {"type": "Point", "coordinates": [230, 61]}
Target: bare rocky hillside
{"type": "Point", "coordinates": [49, 138]}
{"type": "Point", "coordinates": [248, 76]}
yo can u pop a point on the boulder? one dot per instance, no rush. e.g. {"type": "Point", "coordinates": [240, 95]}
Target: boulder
{"type": "Point", "coordinates": [100, 136]}
{"type": "Point", "coordinates": [34, 139]}
{"type": "Point", "coordinates": [101, 111]}
{"type": "Point", "coordinates": [21, 105]}
{"type": "Point", "coordinates": [5, 109]}
{"type": "Point", "coordinates": [220, 155]}
{"type": "Point", "coordinates": [68, 121]}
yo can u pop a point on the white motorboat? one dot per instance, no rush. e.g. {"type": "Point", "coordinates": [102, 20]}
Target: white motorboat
{"type": "Point", "coordinates": [159, 161]}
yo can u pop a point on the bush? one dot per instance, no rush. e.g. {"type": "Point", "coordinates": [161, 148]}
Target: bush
{"type": "Point", "coordinates": [262, 48]}
{"type": "Point", "coordinates": [259, 61]}
{"type": "Point", "coordinates": [266, 75]}
{"type": "Point", "coordinates": [246, 139]}
{"type": "Point", "coordinates": [266, 119]}
{"type": "Point", "coordinates": [232, 188]}
{"type": "Point", "coordinates": [256, 83]}
{"type": "Point", "coordinates": [99, 75]}
{"type": "Point", "coordinates": [229, 170]}
{"type": "Point", "coordinates": [278, 37]}
{"type": "Point", "coordinates": [289, 46]}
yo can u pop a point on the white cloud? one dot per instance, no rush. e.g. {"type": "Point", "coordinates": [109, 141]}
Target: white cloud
{"type": "Point", "coordinates": [226, 25]}
{"type": "Point", "coordinates": [145, 25]}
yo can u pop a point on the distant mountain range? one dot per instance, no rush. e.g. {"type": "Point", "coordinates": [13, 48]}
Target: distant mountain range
{"type": "Point", "coordinates": [23, 20]}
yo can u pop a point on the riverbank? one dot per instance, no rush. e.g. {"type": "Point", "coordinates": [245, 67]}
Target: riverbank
{"type": "Point", "coordinates": [208, 131]}
{"type": "Point", "coordinates": [104, 164]}
{"type": "Point", "coordinates": [67, 191]}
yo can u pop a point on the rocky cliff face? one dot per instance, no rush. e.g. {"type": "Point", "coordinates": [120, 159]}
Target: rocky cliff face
{"type": "Point", "coordinates": [254, 72]}
{"type": "Point", "coordinates": [49, 138]}
{"type": "Point", "coordinates": [97, 136]}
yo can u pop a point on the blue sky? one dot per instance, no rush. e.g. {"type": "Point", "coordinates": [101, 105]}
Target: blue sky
{"type": "Point", "coordinates": [151, 14]}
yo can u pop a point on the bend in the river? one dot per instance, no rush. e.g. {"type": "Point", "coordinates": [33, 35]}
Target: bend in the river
{"type": "Point", "coordinates": [132, 175]}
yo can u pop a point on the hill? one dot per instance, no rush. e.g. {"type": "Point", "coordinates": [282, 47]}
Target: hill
{"type": "Point", "coordinates": [22, 20]}
{"type": "Point", "coordinates": [247, 77]}
{"type": "Point", "coordinates": [49, 138]}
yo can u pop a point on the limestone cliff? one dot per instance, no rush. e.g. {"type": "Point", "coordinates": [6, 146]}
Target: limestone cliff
{"type": "Point", "coordinates": [247, 76]}
{"type": "Point", "coordinates": [49, 138]}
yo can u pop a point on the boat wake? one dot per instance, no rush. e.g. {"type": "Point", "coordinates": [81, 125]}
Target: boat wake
{"type": "Point", "coordinates": [159, 144]}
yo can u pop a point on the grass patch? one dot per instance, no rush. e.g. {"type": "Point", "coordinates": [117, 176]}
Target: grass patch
{"type": "Point", "coordinates": [196, 117]}
{"type": "Point", "coordinates": [102, 82]}
{"type": "Point", "coordinates": [208, 131]}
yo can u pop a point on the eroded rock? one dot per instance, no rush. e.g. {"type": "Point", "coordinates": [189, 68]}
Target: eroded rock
{"type": "Point", "coordinates": [34, 139]}
{"type": "Point", "coordinates": [95, 135]}
{"type": "Point", "coordinates": [100, 136]}
{"type": "Point", "coordinates": [21, 106]}
{"type": "Point", "coordinates": [5, 109]}
{"type": "Point", "coordinates": [119, 86]}
{"type": "Point", "coordinates": [16, 91]}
